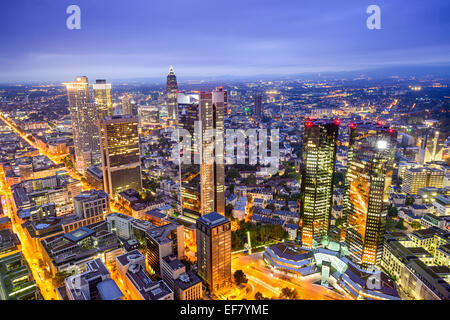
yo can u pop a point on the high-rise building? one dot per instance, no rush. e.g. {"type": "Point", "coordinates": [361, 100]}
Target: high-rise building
{"type": "Point", "coordinates": [172, 88]}
{"type": "Point", "coordinates": [203, 180]}
{"type": "Point", "coordinates": [432, 147]}
{"type": "Point", "coordinates": [318, 162]}
{"type": "Point", "coordinates": [120, 154]}
{"type": "Point", "coordinates": [258, 105]}
{"type": "Point", "coordinates": [129, 106]}
{"type": "Point", "coordinates": [102, 97]}
{"type": "Point", "coordinates": [214, 250]}
{"type": "Point", "coordinates": [368, 181]}
{"type": "Point", "coordinates": [84, 116]}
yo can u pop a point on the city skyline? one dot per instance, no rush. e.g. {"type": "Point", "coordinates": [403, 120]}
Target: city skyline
{"type": "Point", "coordinates": [239, 150]}
{"type": "Point", "coordinates": [241, 39]}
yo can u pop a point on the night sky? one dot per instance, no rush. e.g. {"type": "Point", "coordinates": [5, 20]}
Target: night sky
{"type": "Point", "coordinates": [140, 38]}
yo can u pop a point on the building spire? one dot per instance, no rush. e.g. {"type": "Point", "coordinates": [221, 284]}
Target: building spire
{"type": "Point", "coordinates": [171, 71]}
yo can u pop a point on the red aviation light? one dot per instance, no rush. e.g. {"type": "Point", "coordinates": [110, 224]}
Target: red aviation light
{"type": "Point", "coordinates": [380, 122]}
{"type": "Point", "coordinates": [309, 124]}
{"type": "Point", "coordinates": [391, 130]}
{"type": "Point", "coordinates": [352, 125]}
{"type": "Point", "coordinates": [337, 122]}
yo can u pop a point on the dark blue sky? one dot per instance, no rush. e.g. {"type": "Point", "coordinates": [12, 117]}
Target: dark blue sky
{"type": "Point", "coordinates": [141, 38]}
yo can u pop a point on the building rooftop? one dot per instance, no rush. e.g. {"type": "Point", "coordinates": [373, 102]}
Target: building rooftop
{"type": "Point", "coordinates": [79, 234]}
{"type": "Point", "coordinates": [90, 195]}
{"type": "Point", "coordinates": [187, 280]}
{"type": "Point", "coordinates": [173, 262]}
{"type": "Point", "coordinates": [213, 219]}
{"type": "Point", "coordinates": [108, 290]}
{"type": "Point", "coordinates": [162, 234]}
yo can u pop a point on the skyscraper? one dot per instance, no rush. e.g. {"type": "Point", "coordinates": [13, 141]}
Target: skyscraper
{"type": "Point", "coordinates": [318, 162]}
{"type": "Point", "coordinates": [102, 97]}
{"type": "Point", "coordinates": [432, 147]}
{"type": "Point", "coordinates": [129, 106]}
{"type": "Point", "coordinates": [84, 116]}
{"type": "Point", "coordinates": [172, 88]}
{"type": "Point", "coordinates": [258, 105]}
{"type": "Point", "coordinates": [202, 181]}
{"type": "Point", "coordinates": [368, 180]}
{"type": "Point", "coordinates": [214, 250]}
{"type": "Point", "coordinates": [120, 154]}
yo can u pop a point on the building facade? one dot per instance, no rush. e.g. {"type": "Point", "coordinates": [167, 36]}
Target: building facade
{"type": "Point", "coordinates": [84, 115]}
{"type": "Point", "coordinates": [318, 163]}
{"type": "Point", "coordinates": [172, 88]}
{"type": "Point", "coordinates": [203, 179]}
{"type": "Point", "coordinates": [120, 154]}
{"type": "Point", "coordinates": [369, 174]}
{"type": "Point", "coordinates": [214, 251]}
{"type": "Point", "coordinates": [102, 97]}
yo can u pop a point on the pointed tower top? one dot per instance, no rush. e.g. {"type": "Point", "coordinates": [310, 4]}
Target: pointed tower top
{"type": "Point", "coordinates": [171, 71]}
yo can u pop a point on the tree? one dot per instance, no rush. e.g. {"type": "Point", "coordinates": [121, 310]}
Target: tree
{"type": "Point", "coordinates": [251, 180]}
{"type": "Point", "coordinates": [240, 277]}
{"type": "Point", "coordinates": [58, 279]}
{"type": "Point", "coordinates": [393, 212]}
{"type": "Point", "coordinates": [416, 225]}
{"type": "Point", "coordinates": [287, 293]}
{"type": "Point", "coordinates": [409, 201]}
{"type": "Point", "coordinates": [259, 296]}
{"type": "Point", "coordinates": [400, 224]}
{"type": "Point", "coordinates": [232, 175]}
{"type": "Point", "coordinates": [229, 210]}
{"type": "Point", "coordinates": [339, 179]}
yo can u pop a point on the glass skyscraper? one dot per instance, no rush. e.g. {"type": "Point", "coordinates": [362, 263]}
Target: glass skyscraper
{"type": "Point", "coordinates": [368, 180]}
{"type": "Point", "coordinates": [171, 88]}
{"type": "Point", "coordinates": [203, 179]}
{"type": "Point", "coordinates": [84, 115]}
{"type": "Point", "coordinates": [120, 154]}
{"type": "Point", "coordinates": [102, 97]}
{"type": "Point", "coordinates": [318, 163]}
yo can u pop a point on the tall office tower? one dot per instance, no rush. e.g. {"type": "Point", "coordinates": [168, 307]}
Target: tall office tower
{"type": "Point", "coordinates": [368, 180]}
{"type": "Point", "coordinates": [318, 161]}
{"type": "Point", "coordinates": [258, 106]}
{"type": "Point", "coordinates": [214, 250]}
{"type": "Point", "coordinates": [203, 180]}
{"type": "Point", "coordinates": [129, 106]}
{"type": "Point", "coordinates": [120, 154]}
{"type": "Point", "coordinates": [102, 97]}
{"type": "Point", "coordinates": [172, 88]}
{"type": "Point", "coordinates": [432, 147]}
{"type": "Point", "coordinates": [84, 115]}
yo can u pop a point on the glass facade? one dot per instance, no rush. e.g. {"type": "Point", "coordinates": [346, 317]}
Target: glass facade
{"type": "Point", "coordinates": [202, 181]}
{"type": "Point", "coordinates": [318, 163]}
{"type": "Point", "coordinates": [84, 115]}
{"type": "Point", "coordinates": [370, 165]}
{"type": "Point", "coordinates": [120, 154]}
